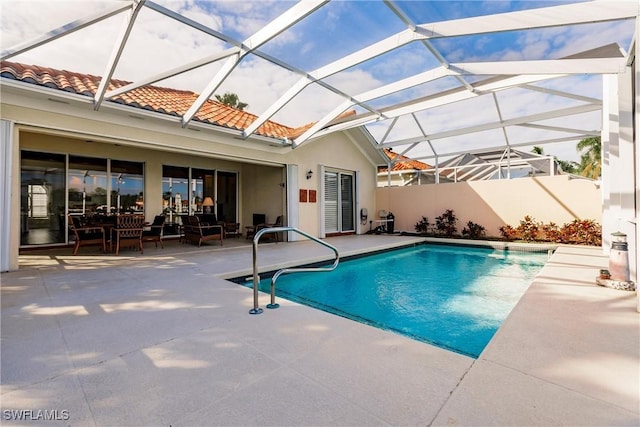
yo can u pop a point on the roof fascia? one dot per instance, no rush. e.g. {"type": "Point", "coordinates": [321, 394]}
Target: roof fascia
{"type": "Point", "coordinates": [57, 95]}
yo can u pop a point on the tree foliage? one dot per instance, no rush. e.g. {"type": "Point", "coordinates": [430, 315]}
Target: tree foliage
{"type": "Point", "coordinates": [590, 150]}
{"type": "Point", "coordinates": [232, 100]}
{"type": "Point", "coordinates": [567, 166]}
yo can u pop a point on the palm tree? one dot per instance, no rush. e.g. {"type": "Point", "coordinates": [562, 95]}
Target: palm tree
{"type": "Point", "coordinates": [590, 150]}
{"type": "Point", "coordinates": [567, 166]}
{"type": "Point", "coordinates": [232, 100]}
{"type": "Point", "coordinates": [538, 150]}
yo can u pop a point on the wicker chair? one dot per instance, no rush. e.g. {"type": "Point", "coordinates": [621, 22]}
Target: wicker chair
{"type": "Point", "coordinates": [86, 236]}
{"type": "Point", "coordinates": [128, 232]}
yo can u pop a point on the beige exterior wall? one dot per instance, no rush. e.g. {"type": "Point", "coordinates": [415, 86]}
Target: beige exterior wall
{"type": "Point", "coordinates": [334, 154]}
{"type": "Point", "coordinates": [493, 204]}
{"type": "Point", "coordinates": [74, 128]}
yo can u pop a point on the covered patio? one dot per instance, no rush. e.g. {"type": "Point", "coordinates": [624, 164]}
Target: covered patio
{"type": "Point", "coordinates": [163, 339]}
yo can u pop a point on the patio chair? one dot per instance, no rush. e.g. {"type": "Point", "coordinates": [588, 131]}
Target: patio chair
{"type": "Point", "coordinates": [274, 236]}
{"type": "Point", "coordinates": [257, 220]}
{"type": "Point", "coordinates": [195, 232]}
{"type": "Point", "coordinates": [232, 229]}
{"type": "Point", "coordinates": [86, 236]}
{"type": "Point", "coordinates": [128, 232]}
{"type": "Point", "coordinates": [154, 234]}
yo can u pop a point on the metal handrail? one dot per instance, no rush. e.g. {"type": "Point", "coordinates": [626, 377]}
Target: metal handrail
{"type": "Point", "coordinates": [256, 238]}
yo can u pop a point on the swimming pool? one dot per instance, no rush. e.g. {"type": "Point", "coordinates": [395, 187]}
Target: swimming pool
{"type": "Point", "coordinates": [450, 296]}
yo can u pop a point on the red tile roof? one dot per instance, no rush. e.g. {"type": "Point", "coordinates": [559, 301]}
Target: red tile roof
{"type": "Point", "coordinates": [154, 98]}
{"type": "Point", "coordinates": [403, 162]}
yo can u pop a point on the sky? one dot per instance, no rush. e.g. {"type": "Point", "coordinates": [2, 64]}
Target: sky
{"type": "Point", "coordinates": [338, 28]}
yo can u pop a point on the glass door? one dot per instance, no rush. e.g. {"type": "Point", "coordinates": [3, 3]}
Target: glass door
{"type": "Point", "coordinates": [175, 197]}
{"type": "Point", "coordinates": [87, 181]}
{"type": "Point", "coordinates": [227, 196]}
{"type": "Point", "coordinates": [347, 209]}
{"type": "Point", "coordinates": [202, 187]}
{"type": "Point", "coordinates": [42, 198]}
{"type": "Point", "coordinates": [127, 186]}
{"type": "Point", "coordinates": [339, 202]}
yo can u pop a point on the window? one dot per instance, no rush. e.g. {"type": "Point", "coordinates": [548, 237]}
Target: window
{"type": "Point", "coordinates": [38, 201]}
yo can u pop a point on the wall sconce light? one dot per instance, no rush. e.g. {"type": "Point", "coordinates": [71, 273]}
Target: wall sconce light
{"type": "Point", "coordinates": [309, 174]}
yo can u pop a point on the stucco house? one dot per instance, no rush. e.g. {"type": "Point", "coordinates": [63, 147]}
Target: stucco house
{"type": "Point", "coordinates": [131, 156]}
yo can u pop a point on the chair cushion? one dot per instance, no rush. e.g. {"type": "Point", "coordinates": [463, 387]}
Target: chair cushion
{"type": "Point", "coordinates": [207, 219]}
{"type": "Point", "coordinates": [210, 231]}
{"type": "Point", "coordinates": [90, 235]}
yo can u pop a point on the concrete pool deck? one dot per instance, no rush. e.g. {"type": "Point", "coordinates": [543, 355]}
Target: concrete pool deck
{"type": "Point", "coordinates": [163, 339]}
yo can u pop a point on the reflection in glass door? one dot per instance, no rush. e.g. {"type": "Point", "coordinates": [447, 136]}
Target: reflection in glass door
{"type": "Point", "coordinates": [88, 186]}
{"type": "Point", "coordinates": [127, 186]}
{"type": "Point", "coordinates": [175, 196]}
{"type": "Point", "coordinates": [42, 198]}
{"type": "Point", "coordinates": [202, 186]}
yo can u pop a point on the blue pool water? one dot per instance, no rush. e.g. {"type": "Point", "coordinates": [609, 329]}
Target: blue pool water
{"type": "Point", "coordinates": [452, 297]}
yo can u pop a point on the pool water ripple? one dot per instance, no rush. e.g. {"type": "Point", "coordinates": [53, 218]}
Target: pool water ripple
{"type": "Point", "coordinates": [452, 297]}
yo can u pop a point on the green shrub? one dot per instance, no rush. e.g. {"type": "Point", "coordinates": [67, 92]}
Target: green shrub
{"type": "Point", "coordinates": [422, 226]}
{"type": "Point", "coordinates": [473, 230]}
{"type": "Point", "coordinates": [446, 223]}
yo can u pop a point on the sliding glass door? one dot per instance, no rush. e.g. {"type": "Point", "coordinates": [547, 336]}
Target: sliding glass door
{"type": "Point", "coordinates": [42, 198]}
{"type": "Point", "coordinates": [54, 185]}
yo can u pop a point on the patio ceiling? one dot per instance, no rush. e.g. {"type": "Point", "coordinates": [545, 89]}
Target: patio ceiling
{"type": "Point", "coordinates": [427, 78]}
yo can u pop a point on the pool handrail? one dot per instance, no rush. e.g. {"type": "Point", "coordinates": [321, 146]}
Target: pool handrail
{"type": "Point", "coordinates": [256, 238]}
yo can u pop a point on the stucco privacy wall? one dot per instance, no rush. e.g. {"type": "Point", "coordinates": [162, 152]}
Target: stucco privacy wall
{"type": "Point", "coordinates": [492, 204]}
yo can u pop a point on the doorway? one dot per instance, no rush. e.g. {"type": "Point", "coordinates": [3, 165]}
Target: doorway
{"type": "Point", "coordinates": [227, 197]}
{"type": "Point", "coordinates": [339, 202]}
